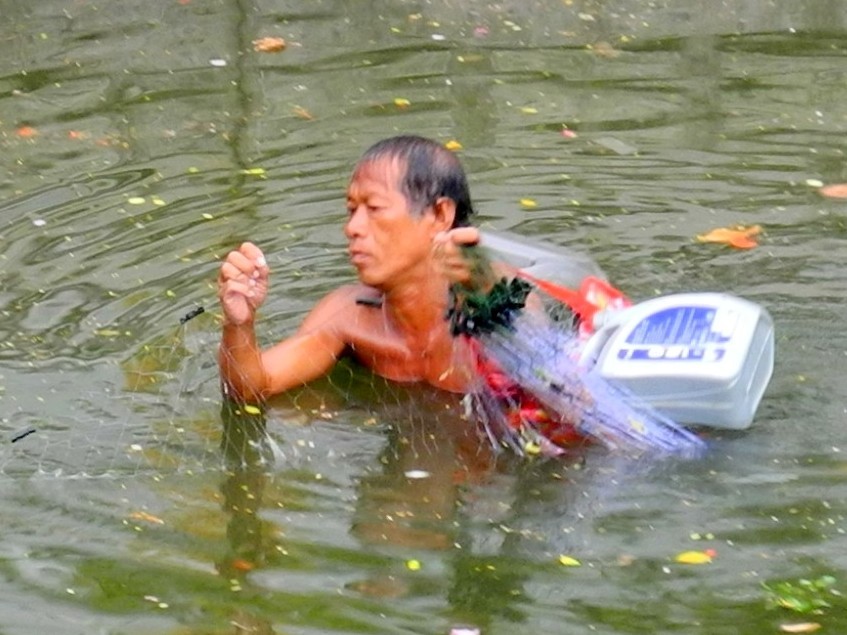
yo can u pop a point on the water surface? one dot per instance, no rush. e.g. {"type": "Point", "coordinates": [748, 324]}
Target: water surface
{"type": "Point", "coordinates": [140, 142]}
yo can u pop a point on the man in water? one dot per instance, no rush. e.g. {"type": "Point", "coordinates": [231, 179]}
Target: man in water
{"type": "Point", "coordinates": [408, 207]}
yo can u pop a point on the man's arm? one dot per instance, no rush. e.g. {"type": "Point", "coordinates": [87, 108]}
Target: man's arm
{"type": "Point", "coordinates": [314, 349]}
{"type": "Point", "coordinates": [247, 373]}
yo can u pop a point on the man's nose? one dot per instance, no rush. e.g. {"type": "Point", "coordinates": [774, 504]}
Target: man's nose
{"type": "Point", "coordinates": [356, 223]}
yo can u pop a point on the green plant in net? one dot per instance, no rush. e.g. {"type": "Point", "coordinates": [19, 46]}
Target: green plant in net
{"type": "Point", "coordinates": [802, 596]}
{"type": "Point", "coordinates": [485, 303]}
{"type": "Point", "coordinates": [475, 313]}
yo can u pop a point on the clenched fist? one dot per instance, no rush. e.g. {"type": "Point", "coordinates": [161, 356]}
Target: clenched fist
{"type": "Point", "coordinates": [242, 284]}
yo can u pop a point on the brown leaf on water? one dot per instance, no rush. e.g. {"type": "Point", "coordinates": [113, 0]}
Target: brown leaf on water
{"type": "Point", "coordinates": [302, 113]}
{"type": "Point", "coordinates": [148, 518]}
{"type": "Point", "coordinates": [269, 45]}
{"type": "Point", "coordinates": [836, 190]}
{"type": "Point", "coordinates": [26, 132]}
{"type": "Point", "coordinates": [603, 49]}
{"type": "Point", "coordinates": [240, 564]}
{"type": "Point", "coordinates": [738, 236]}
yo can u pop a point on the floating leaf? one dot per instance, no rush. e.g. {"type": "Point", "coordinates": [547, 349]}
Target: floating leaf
{"type": "Point", "coordinates": [529, 110]}
{"type": "Point", "coordinates": [836, 190]}
{"type": "Point", "coordinates": [800, 627]}
{"type": "Point", "coordinates": [400, 102]}
{"type": "Point", "coordinates": [302, 113]}
{"type": "Point", "coordinates": [252, 410]}
{"type": "Point", "coordinates": [269, 45]}
{"type": "Point", "coordinates": [135, 200]}
{"type": "Point", "coordinates": [528, 203]}
{"type": "Point", "coordinates": [149, 518]}
{"type": "Point", "coordinates": [453, 145]}
{"type": "Point", "coordinates": [603, 49]}
{"type": "Point", "coordinates": [802, 596]}
{"type": "Point", "coordinates": [693, 557]}
{"type": "Point", "coordinates": [26, 132]}
{"type": "Point", "coordinates": [240, 564]}
{"type": "Point", "coordinates": [568, 561]}
{"type": "Point", "coordinates": [413, 565]}
{"type": "Point", "coordinates": [738, 236]}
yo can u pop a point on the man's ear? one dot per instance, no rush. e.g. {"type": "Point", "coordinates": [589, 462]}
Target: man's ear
{"type": "Point", "coordinates": [444, 210]}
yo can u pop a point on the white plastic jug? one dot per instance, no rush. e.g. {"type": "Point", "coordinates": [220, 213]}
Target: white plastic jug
{"type": "Point", "coordinates": [700, 358]}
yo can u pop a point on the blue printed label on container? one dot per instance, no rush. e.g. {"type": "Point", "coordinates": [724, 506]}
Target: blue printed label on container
{"type": "Point", "coordinates": [682, 333]}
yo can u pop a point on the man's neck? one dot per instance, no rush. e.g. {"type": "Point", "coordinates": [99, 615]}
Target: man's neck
{"type": "Point", "coordinates": [415, 309]}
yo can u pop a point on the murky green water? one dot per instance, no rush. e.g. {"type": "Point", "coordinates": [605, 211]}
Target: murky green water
{"type": "Point", "coordinates": [141, 141]}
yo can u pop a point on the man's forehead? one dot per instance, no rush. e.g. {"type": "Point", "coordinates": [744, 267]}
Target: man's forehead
{"type": "Point", "coordinates": [382, 172]}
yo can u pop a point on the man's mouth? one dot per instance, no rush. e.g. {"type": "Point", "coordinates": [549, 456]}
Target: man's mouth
{"type": "Point", "coordinates": [358, 257]}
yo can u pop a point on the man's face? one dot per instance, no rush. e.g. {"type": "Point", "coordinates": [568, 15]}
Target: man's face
{"type": "Point", "coordinates": [386, 243]}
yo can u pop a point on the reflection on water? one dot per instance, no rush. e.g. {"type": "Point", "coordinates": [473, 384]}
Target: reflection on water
{"type": "Point", "coordinates": [141, 141]}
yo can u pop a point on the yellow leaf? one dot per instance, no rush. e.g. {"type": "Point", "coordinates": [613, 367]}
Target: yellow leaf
{"type": "Point", "coordinates": [453, 145]}
{"type": "Point", "coordinates": [529, 110]}
{"type": "Point", "coordinates": [568, 561]}
{"type": "Point", "coordinates": [400, 102]}
{"type": "Point", "coordinates": [693, 557]}
{"type": "Point", "coordinates": [252, 410]}
{"type": "Point", "coordinates": [738, 236]}
{"type": "Point", "coordinates": [528, 202]}
{"type": "Point", "coordinates": [532, 448]}
{"type": "Point", "coordinates": [413, 565]}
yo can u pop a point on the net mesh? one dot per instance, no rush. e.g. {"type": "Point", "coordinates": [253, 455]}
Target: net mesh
{"type": "Point", "coordinates": [154, 406]}
{"type": "Point", "coordinates": [157, 409]}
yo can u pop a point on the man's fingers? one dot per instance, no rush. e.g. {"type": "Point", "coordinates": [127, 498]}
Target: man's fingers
{"type": "Point", "coordinates": [237, 287]}
{"type": "Point", "coordinates": [241, 262]}
{"type": "Point", "coordinates": [464, 235]}
{"type": "Point", "coordinates": [253, 254]}
{"type": "Point", "coordinates": [230, 271]}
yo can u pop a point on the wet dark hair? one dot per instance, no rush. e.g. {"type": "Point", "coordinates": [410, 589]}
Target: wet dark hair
{"type": "Point", "coordinates": [431, 171]}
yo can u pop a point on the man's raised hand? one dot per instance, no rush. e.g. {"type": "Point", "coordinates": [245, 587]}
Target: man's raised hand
{"type": "Point", "coordinates": [242, 284]}
{"type": "Point", "coordinates": [447, 252]}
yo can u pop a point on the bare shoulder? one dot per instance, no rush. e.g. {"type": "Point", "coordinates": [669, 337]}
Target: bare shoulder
{"type": "Point", "coordinates": [342, 306]}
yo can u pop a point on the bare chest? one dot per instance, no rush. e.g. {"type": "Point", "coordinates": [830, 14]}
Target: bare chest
{"type": "Point", "coordinates": [436, 358]}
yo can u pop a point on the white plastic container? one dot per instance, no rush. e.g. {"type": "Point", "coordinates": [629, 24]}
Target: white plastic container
{"type": "Point", "coordinates": [549, 262]}
{"type": "Point", "coordinates": [700, 358]}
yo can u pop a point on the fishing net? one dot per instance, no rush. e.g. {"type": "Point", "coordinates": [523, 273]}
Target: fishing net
{"type": "Point", "coordinates": [533, 394]}
{"type": "Point", "coordinates": [153, 407]}
{"type": "Point", "coordinates": [139, 406]}
{"type": "Point", "coordinates": [152, 404]}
